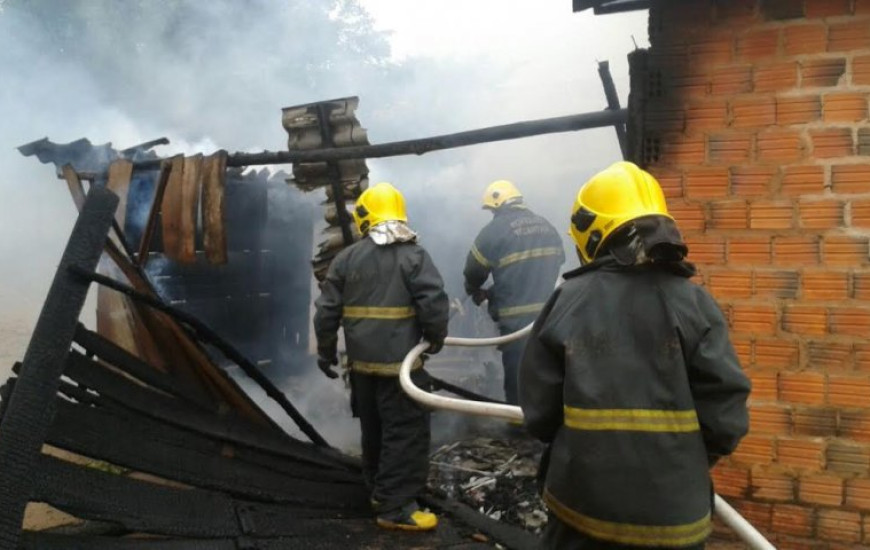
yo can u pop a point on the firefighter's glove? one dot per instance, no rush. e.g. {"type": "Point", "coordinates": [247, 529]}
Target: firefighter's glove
{"type": "Point", "coordinates": [479, 296]}
{"type": "Point", "coordinates": [436, 342]}
{"type": "Point", "coordinates": [325, 365]}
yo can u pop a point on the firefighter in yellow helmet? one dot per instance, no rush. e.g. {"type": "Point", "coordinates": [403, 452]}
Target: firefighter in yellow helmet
{"type": "Point", "coordinates": [386, 293]}
{"type": "Point", "coordinates": [522, 252]}
{"type": "Point", "coordinates": [630, 377]}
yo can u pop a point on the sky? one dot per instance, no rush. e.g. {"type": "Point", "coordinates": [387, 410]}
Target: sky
{"type": "Point", "coordinates": [216, 74]}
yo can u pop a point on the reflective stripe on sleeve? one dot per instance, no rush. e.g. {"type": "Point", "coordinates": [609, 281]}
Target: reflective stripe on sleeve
{"type": "Point", "coordinates": [529, 255]}
{"type": "Point", "coordinates": [669, 536]}
{"type": "Point", "coordinates": [481, 259]}
{"type": "Point", "coordinates": [372, 312]}
{"type": "Point", "coordinates": [381, 369]}
{"type": "Point", "coordinates": [520, 310]}
{"type": "Point", "coordinates": [637, 420]}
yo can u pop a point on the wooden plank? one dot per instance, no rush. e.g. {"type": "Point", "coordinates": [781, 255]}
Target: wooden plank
{"type": "Point", "coordinates": [26, 420]}
{"type": "Point", "coordinates": [50, 541]}
{"type": "Point", "coordinates": [114, 315]}
{"type": "Point", "coordinates": [171, 208]}
{"type": "Point", "coordinates": [191, 184]}
{"type": "Point", "coordinates": [75, 186]}
{"type": "Point", "coordinates": [156, 203]}
{"type": "Point", "coordinates": [213, 208]}
{"type": "Point", "coordinates": [120, 172]}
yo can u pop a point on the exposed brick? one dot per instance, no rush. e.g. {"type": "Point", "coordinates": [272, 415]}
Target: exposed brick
{"type": "Point", "coordinates": [755, 319]}
{"type": "Point", "coordinates": [765, 385]}
{"type": "Point", "coordinates": [706, 182]}
{"type": "Point", "coordinates": [806, 454]}
{"type": "Point", "coordinates": [776, 353]}
{"type": "Point", "coordinates": [735, 12]}
{"type": "Point", "coordinates": [796, 251]}
{"type": "Point", "coordinates": [712, 48]}
{"type": "Point", "coordinates": [749, 251]}
{"type": "Point", "coordinates": [775, 77]}
{"type": "Point", "coordinates": [816, 73]}
{"type": "Point", "coordinates": [858, 493]}
{"type": "Point", "coordinates": [861, 70]}
{"type": "Point", "coordinates": [825, 285]}
{"type": "Point", "coordinates": [860, 211]}
{"type": "Point", "coordinates": [845, 107]}
{"type": "Point", "coordinates": [729, 147]}
{"type": "Point", "coordinates": [850, 178]}
{"type": "Point", "coordinates": [776, 284]}
{"type": "Point", "coordinates": [730, 284]}
{"type": "Point", "coordinates": [861, 286]}
{"type": "Point", "coordinates": [845, 251]}
{"type": "Point", "coordinates": [682, 150]}
{"type": "Point", "coordinates": [847, 458]}
{"type": "Point", "coordinates": [743, 349]}
{"type": "Point", "coordinates": [862, 7]}
{"type": "Point", "coordinates": [772, 485]}
{"type": "Point", "coordinates": [855, 425]}
{"type": "Point", "coordinates": [821, 214]}
{"type": "Point", "coordinates": [862, 357]}
{"type": "Point", "coordinates": [863, 144]}
{"type": "Point", "coordinates": [671, 182]}
{"type": "Point", "coordinates": [777, 10]}
{"type": "Point", "coordinates": [832, 142]}
{"type": "Point", "coordinates": [756, 45]}
{"type": "Point", "coordinates": [730, 481]}
{"type": "Point", "coordinates": [753, 112]}
{"type": "Point", "coordinates": [780, 146]}
{"type": "Point", "coordinates": [827, 8]}
{"type": "Point", "coordinates": [805, 39]}
{"type": "Point", "coordinates": [839, 525]}
{"type": "Point", "coordinates": [848, 391]}
{"type": "Point", "coordinates": [803, 180]}
{"type": "Point", "coordinates": [770, 419]}
{"type": "Point", "coordinates": [754, 450]}
{"type": "Point", "coordinates": [752, 181]}
{"type": "Point", "coordinates": [790, 519]}
{"type": "Point", "coordinates": [802, 319]}
{"type": "Point", "coordinates": [828, 356]}
{"type": "Point", "coordinates": [689, 82]}
{"type": "Point", "coordinates": [706, 114]}
{"type": "Point", "coordinates": [821, 489]}
{"type": "Point", "coordinates": [706, 250]}
{"type": "Point", "coordinates": [854, 321]}
{"type": "Point", "coordinates": [690, 217]}
{"type": "Point", "coordinates": [815, 421]}
{"type": "Point", "coordinates": [728, 215]}
{"type": "Point", "coordinates": [807, 388]}
{"type": "Point", "coordinates": [771, 215]}
{"type": "Point", "coordinates": [736, 79]}
{"type": "Point", "coordinates": [853, 35]}
{"type": "Point", "coordinates": [757, 513]}
{"type": "Point", "coordinates": [798, 109]}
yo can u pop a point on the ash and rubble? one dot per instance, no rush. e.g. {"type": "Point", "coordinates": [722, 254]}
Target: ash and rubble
{"type": "Point", "coordinates": [496, 476]}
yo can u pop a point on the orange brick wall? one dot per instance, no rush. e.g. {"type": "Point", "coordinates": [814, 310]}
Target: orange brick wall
{"type": "Point", "coordinates": [755, 119]}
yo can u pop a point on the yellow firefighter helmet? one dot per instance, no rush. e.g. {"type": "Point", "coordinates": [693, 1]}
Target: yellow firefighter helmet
{"type": "Point", "coordinates": [380, 203]}
{"type": "Point", "coordinates": [609, 200]}
{"type": "Point", "coordinates": [500, 192]}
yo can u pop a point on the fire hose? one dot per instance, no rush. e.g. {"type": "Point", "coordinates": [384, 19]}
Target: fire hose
{"type": "Point", "coordinates": [726, 513]}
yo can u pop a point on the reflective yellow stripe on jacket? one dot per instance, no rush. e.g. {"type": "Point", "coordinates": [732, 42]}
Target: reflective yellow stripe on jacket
{"type": "Point", "coordinates": [520, 310]}
{"type": "Point", "coordinates": [381, 369]}
{"type": "Point", "coordinates": [372, 312]}
{"type": "Point", "coordinates": [529, 255]}
{"type": "Point", "coordinates": [481, 259]}
{"type": "Point", "coordinates": [626, 533]}
{"type": "Point", "coordinates": [637, 420]}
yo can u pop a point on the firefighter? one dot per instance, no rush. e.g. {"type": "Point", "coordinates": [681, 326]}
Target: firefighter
{"type": "Point", "coordinates": [523, 252]}
{"type": "Point", "coordinates": [630, 377]}
{"type": "Point", "coordinates": [387, 294]}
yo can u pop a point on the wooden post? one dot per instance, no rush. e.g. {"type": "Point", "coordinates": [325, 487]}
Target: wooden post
{"type": "Point", "coordinates": [27, 417]}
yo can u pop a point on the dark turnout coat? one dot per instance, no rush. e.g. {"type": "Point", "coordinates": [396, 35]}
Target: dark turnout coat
{"type": "Point", "coordinates": [523, 252]}
{"type": "Point", "coordinates": [631, 375]}
{"type": "Point", "coordinates": [386, 298]}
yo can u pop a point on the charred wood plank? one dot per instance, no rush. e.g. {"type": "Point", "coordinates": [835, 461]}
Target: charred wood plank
{"type": "Point", "coordinates": [120, 172]}
{"type": "Point", "coordinates": [153, 213]}
{"type": "Point", "coordinates": [47, 541]}
{"type": "Point", "coordinates": [210, 336]}
{"type": "Point", "coordinates": [26, 420]}
{"type": "Point", "coordinates": [191, 183]}
{"type": "Point", "coordinates": [213, 208]}
{"type": "Point", "coordinates": [613, 104]}
{"type": "Point", "coordinates": [118, 357]}
{"type": "Point", "coordinates": [508, 535]}
{"type": "Point", "coordinates": [170, 209]}
{"type": "Point", "coordinates": [425, 145]}
{"type": "Point", "coordinates": [90, 432]}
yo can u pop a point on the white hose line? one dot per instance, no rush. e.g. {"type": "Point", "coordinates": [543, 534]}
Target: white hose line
{"type": "Point", "coordinates": [726, 513]}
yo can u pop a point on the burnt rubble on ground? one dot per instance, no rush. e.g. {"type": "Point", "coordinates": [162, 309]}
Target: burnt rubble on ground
{"type": "Point", "coordinates": [497, 477]}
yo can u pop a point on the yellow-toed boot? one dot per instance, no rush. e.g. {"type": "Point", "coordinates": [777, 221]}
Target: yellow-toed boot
{"type": "Point", "coordinates": [408, 518]}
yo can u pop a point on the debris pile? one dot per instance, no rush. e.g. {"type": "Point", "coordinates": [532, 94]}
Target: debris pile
{"type": "Point", "coordinates": [494, 476]}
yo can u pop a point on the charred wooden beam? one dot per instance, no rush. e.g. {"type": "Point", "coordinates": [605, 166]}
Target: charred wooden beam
{"type": "Point", "coordinates": [151, 224]}
{"type": "Point", "coordinates": [422, 146]}
{"type": "Point", "coordinates": [613, 104]}
{"type": "Point", "coordinates": [26, 419]}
